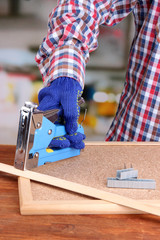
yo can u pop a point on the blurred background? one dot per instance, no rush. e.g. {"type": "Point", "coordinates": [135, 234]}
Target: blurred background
{"type": "Point", "coordinates": [23, 25]}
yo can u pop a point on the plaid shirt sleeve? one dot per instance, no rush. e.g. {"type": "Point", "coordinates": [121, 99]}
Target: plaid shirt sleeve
{"type": "Point", "coordinates": [138, 114]}
{"type": "Point", "coordinates": [73, 29]}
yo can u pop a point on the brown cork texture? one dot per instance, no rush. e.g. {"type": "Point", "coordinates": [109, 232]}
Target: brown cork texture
{"type": "Point", "coordinates": [95, 164]}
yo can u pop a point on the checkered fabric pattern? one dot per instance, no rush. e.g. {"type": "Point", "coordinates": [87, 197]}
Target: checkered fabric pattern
{"type": "Point", "coordinates": [72, 35]}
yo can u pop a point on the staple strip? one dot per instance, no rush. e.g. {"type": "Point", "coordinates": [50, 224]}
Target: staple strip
{"type": "Point", "coordinates": [131, 183]}
{"type": "Point", "coordinates": [123, 170]}
{"type": "Point", "coordinates": [127, 173]}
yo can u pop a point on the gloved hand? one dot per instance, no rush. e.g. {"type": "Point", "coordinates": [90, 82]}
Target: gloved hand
{"type": "Point", "coordinates": [63, 94]}
{"type": "Point", "coordinates": [72, 140]}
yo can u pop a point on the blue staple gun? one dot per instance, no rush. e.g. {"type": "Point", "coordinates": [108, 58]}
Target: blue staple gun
{"type": "Point", "coordinates": [36, 130]}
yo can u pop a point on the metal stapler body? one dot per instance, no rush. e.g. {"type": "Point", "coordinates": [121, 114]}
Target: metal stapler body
{"type": "Point", "coordinates": [36, 130]}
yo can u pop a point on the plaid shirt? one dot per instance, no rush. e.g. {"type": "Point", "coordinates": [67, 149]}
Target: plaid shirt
{"type": "Point", "coordinates": [72, 35]}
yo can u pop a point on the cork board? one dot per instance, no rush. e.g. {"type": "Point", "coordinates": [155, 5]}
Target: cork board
{"type": "Point", "coordinates": [96, 162]}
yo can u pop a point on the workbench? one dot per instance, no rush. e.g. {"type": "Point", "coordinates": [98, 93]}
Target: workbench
{"type": "Point", "coordinates": [15, 226]}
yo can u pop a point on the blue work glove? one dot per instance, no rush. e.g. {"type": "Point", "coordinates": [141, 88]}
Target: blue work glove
{"type": "Point", "coordinates": [63, 94]}
{"type": "Point", "coordinates": [72, 140]}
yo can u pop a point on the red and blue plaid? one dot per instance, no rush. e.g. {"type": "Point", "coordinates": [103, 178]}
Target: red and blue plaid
{"type": "Point", "coordinates": [72, 35]}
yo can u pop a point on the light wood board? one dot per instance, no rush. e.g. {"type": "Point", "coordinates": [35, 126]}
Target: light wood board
{"type": "Point", "coordinates": [97, 162]}
{"type": "Point", "coordinates": [81, 189]}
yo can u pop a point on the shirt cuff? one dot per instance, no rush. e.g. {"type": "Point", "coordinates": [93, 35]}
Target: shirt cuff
{"type": "Point", "coordinates": [64, 61]}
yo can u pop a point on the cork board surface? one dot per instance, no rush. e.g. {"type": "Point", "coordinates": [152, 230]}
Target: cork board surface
{"type": "Point", "coordinates": [95, 164]}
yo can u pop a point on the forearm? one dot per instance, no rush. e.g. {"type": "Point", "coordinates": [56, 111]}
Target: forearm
{"type": "Point", "coordinates": [72, 35]}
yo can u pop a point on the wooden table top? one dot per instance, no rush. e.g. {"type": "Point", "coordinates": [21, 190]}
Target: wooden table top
{"type": "Point", "coordinates": [15, 226]}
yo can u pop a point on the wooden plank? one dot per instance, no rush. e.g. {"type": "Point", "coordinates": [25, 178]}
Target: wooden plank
{"type": "Point", "coordinates": [25, 193]}
{"type": "Point", "coordinates": [82, 189]}
{"type": "Point", "coordinates": [31, 207]}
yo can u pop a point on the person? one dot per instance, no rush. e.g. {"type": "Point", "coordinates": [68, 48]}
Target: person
{"type": "Point", "coordinates": [73, 30]}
